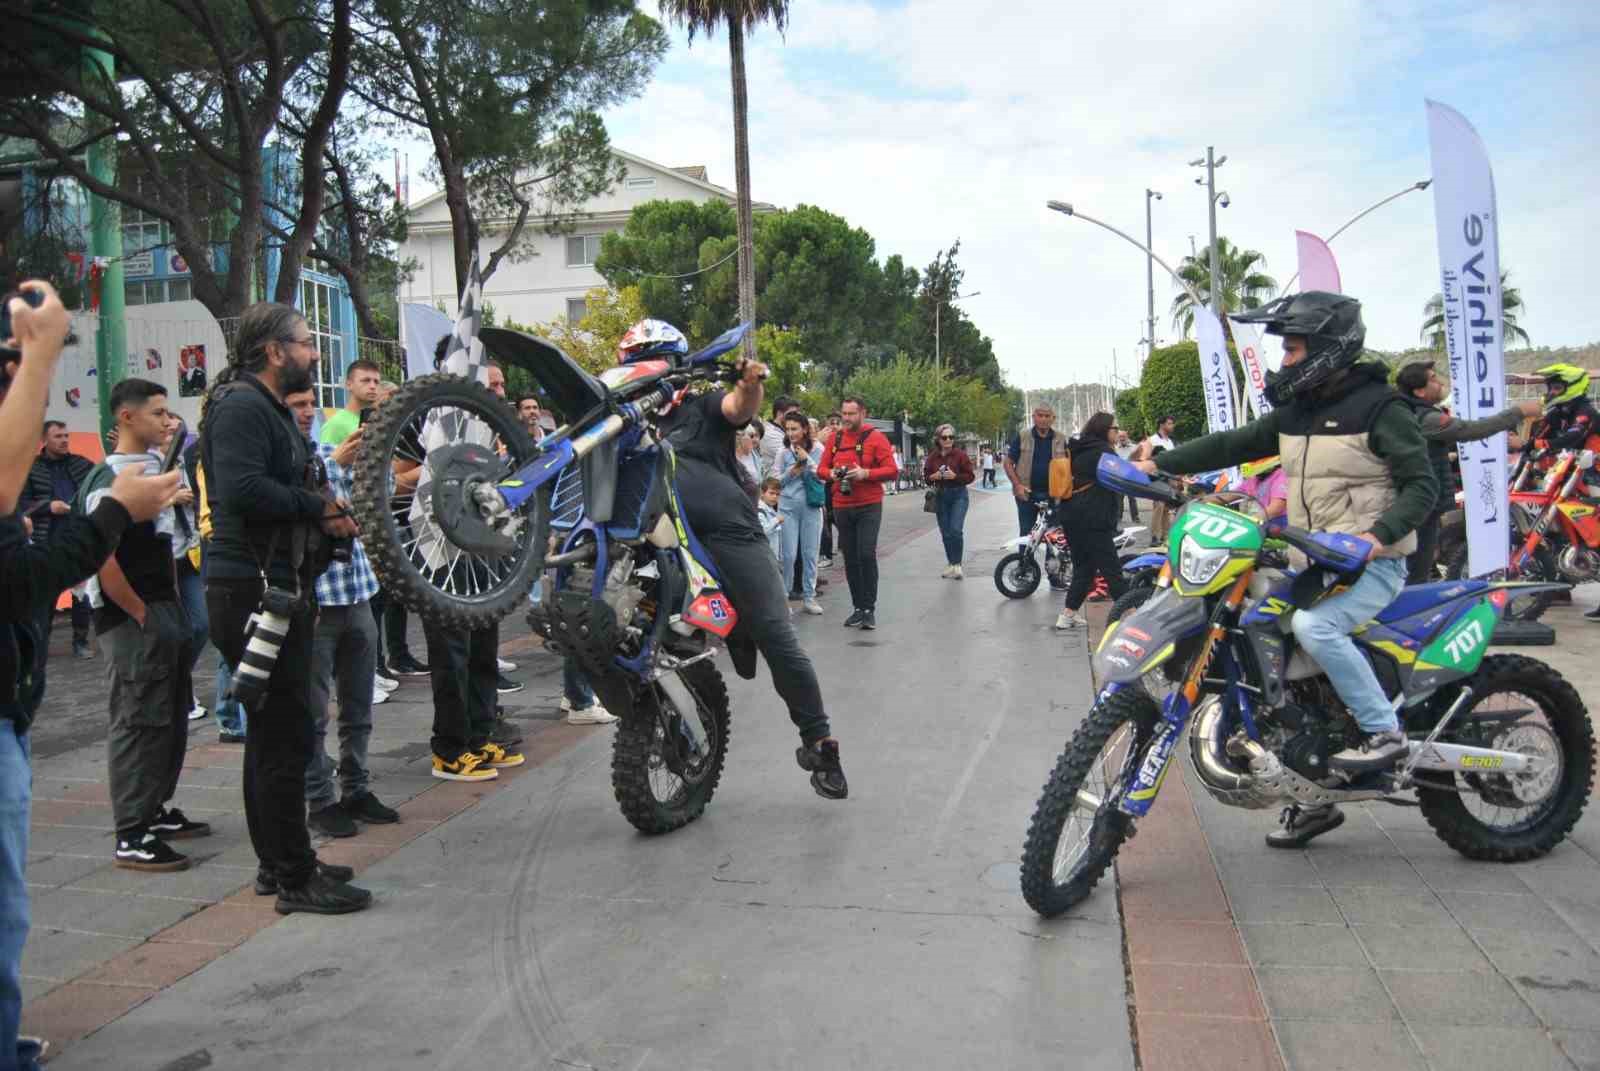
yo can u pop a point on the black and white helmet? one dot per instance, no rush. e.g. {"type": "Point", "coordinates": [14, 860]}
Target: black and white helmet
{"type": "Point", "coordinates": [1334, 334]}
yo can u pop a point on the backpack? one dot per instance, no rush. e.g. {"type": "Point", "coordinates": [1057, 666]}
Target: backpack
{"type": "Point", "coordinates": [1061, 486]}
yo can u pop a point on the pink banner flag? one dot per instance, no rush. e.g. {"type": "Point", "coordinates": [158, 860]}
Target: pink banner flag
{"type": "Point", "coordinates": [1318, 269]}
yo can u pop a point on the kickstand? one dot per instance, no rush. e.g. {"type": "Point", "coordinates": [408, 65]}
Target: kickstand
{"type": "Point", "coordinates": [1398, 802]}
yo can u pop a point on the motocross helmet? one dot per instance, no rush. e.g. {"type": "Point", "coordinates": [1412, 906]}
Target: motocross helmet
{"type": "Point", "coordinates": [1262, 467]}
{"type": "Point", "coordinates": [651, 338]}
{"type": "Point", "coordinates": [1334, 334]}
{"type": "Point", "coordinates": [1563, 383]}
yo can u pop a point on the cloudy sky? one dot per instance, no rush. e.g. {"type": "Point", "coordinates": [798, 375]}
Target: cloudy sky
{"type": "Point", "coordinates": [927, 121]}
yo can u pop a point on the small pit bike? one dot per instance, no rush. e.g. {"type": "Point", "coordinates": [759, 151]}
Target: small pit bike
{"type": "Point", "coordinates": [593, 514]}
{"type": "Point", "coordinates": [1017, 575]}
{"type": "Point", "coordinates": [1502, 750]}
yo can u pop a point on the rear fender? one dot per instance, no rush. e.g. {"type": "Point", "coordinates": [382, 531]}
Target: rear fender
{"type": "Point", "coordinates": [1146, 638]}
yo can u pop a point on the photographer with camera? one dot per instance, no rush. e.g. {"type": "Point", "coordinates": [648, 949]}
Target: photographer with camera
{"type": "Point", "coordinates": [858, 459]}
{"type": "Point", "coordinates": [33, 331]}
{"type": "Point", "coordinates": [273, 527]}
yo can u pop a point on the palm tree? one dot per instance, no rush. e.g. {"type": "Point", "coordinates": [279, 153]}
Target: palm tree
{"type": "Point", "coordinates": [1242, 286]}
{"type": "Point", "coordinates": [739, 16]}
{"type": "Point", "coordinates": [1510, 307]}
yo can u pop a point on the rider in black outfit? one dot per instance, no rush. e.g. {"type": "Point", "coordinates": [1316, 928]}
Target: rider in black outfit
{"type": "Point", "coordinates": [723, 515]}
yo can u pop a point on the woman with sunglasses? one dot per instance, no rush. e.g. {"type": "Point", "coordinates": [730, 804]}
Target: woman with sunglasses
{"type": "Point", "coordinates": [1089, 516]}
{"type": "Point", "coordinates": [948, 470]}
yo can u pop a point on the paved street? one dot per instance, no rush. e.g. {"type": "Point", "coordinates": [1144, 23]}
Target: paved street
{"type": "Point", "coordinates": [525, 923]}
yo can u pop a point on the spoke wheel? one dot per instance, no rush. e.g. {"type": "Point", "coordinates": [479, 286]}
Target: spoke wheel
{"type": "Point", "coordinates": [1509, 817]}
{"type": "Point", "coordinates": [437, 548]}
{"type": "Point", "coordinates": [1077, 827]}
{"type": "Point", "coordinates": [659, 784]}
{"type": "Point", "coordinates": [1017, 575]}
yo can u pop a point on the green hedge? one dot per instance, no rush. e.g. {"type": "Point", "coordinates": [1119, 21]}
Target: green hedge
{"type": "Point", "coordinates": [1129, 416]}
{"type": "Point", "coordinates": [1170, 384]}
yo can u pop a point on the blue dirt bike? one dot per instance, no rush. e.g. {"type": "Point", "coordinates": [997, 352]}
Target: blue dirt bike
{"type": "Point", "coordinates": [1502, 750]}
{"type": "Point", "coordinates": [461, 514]}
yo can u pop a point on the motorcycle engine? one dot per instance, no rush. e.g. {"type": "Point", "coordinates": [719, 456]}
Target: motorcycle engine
{"type": "Point", "coordinates": [1313, 737]}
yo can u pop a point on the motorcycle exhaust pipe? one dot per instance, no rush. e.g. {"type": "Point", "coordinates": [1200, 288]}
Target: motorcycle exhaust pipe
{"type": "Point", "coordinates": [1208, 750]}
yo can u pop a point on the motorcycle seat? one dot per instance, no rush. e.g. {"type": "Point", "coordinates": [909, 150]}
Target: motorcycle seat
{"type": "Point", "coordinates": [1421, 597]}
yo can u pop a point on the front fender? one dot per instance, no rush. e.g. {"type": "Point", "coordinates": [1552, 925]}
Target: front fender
{"type": "Point", "coordinates": [1146, 638]}
{"type": "Point", "coordinates": [1148, 560]}
{"type": "Point", "coordinates": [1016, 543]}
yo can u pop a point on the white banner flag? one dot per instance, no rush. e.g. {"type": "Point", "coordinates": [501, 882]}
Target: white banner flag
{"type": "Point", "coordinates": [1469, 272]}
{"type": "Point", "coordinates": [1216, 374]}
{"type": "Point", "coordinates": [1247, 340]}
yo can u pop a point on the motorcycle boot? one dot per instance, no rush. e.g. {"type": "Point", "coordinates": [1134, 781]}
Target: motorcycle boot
{"type": "Point", "coordinates": [1302, 825]}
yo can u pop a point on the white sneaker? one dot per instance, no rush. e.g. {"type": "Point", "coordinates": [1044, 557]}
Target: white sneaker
{"type": "Point", "coordinates": [948, 572]}
{"type": "Point", "coordinates": [590, 715]}
{"type": "Point", "coordinates": [955, 572]}
{"type": "Point", "coordinates": [388, 684]}
{"type": "Point", "coordinates": [379, 696]}
{"type": "Point", "coordinates": [198, 712]}
{"type": "Point", "coordinates": [1066, 621]}
{"type": "Point", "coordinates": [506, 667]}
{"type": "Point", "coordinates": [812, 606]}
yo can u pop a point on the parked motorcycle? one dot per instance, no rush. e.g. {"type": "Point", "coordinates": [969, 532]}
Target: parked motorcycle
{"type": "Point", "coordinates": [630, 591]}
{"type": "Point", "coordinates": [1502, 752]}
{"type": "Point", "coordinates": [1017, 575]}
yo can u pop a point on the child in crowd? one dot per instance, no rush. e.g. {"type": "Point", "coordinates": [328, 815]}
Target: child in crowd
{"type": "Point", "coordinates": [768, 510]}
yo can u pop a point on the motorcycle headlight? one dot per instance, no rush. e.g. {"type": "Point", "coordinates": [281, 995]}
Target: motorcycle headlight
{"type": "Point", "coordinates": [1197, 565]}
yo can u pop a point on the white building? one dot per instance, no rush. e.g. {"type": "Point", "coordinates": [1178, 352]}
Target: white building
{"type": "Point", "coordinates": [552, 282]}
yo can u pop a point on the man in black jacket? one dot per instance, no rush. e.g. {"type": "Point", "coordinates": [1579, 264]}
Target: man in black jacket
{"type": "Point", "coordinates": [32, 334]}
{"type": "Point", "coordinates": [55, 477]}
{"type": "Point", "coordinates": [263, 512]}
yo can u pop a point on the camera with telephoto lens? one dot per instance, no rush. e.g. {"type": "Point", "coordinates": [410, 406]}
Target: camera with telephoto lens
{"type": "Point", "coordinates": [846, 485]}
{"type": "Point", "coordinates": [34, 298]}
{"type": "Point", "coordinates": [264, 634]}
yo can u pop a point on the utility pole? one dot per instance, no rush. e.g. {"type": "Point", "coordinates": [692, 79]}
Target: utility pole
{"type": "Point", "coordinates": [105, 240]}
{"type": "Point", "coordinates": [1150, 268]}
{"type": "Point", "coordinates": [1211, 163]}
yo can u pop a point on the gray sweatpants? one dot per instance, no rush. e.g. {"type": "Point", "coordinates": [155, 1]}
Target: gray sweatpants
{"type": "Point", "coordinates": [346, 649]}
{"type": "Point", "coordinates": [150, 700]}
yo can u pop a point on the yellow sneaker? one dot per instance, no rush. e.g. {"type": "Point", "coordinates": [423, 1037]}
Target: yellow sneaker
{"type": "Point", "coordinates": [469, 767]}
{"type": "Point", "coordinates": [498, 758]}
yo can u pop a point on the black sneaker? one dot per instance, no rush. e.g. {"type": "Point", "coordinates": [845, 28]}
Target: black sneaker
{"type": "Point", "coordinates": [225, 737]}
{"type": "Point", "coordinates": [505, 731]}
{"type": "Point", "coordinates": [172, 824]}
{"type": "Point", "coordinates": [855, 619]}
{"type": "Point", "coordinates": [332, 821]}
{"type": "Point", "coordinates": [267, 882]}
{"type": "Point", "coordinates": [369, 808]}
{"type": "Point", "coordinates": [82, 650]}
{"type": "Point", "coordinates": [1301, 825]}
{"type": "Point", "coordinates": [406, 666]}
{"type": "Point", "coordinates": [506, 686]}
{"type": "Point", "coordinates": [1376, 752]}
{"type": "Point", "coordinates": [323, 896]}
{"type": "Point", "coordinates": [140, 849]}
{"type": "Point", "coordinates": [869, 620]}
{"type": "Point", "coordinates": [1592, 615]}
{"type": "Point", "coordinates": [827, 776]}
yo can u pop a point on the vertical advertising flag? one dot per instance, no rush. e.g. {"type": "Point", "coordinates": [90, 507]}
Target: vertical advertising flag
{"type": "Point", "coordinates": [1247, 340]}
{"type": "Point", "coordinates": [1216, 376]}
{"type": "Point", "coordinates": [1469, 275]}
{"type": "Point", "coordinates": [1318, 269]}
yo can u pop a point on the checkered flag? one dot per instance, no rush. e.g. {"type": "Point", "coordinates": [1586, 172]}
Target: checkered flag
{"type": "Point", "coordinates": [463, 356]}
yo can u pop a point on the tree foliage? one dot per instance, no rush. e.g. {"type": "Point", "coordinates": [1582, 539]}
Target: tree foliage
{"type": "Point", "coordinates": [592, 341]}
{"type": "Point", "coordinates": [1171, 385]}
{"type": "Point", "coordinates": [907, 386]}
{"type": "Point", "coordinates": [1130, 416]}
{"type": "Point", "coordinates": [1510, 308]}
{"type": "Point", "coordinates": [1242, 286]}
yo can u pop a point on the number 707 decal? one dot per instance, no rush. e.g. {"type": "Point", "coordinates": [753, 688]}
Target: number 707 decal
{"type": "Point", "coordinates": [1214, 527]}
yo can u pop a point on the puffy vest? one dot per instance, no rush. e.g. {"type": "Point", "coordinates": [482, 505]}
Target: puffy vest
{"type": "Point", "coordinates": [1336, 482]}
{"type": "Point", "coordinates": [1058, 448]}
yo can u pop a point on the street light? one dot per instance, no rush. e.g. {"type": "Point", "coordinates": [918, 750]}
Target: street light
{"type": "Point", "coordinates": [938, 306]}
{"type": "Point", "coordinates": [1364, 213]}
{"type": "Point", "coordinates": [1150, 266]}
{"type": "Point", "coordinates": [1211, 164]}
{"type": "Point", "coordinates": [1066, 209]}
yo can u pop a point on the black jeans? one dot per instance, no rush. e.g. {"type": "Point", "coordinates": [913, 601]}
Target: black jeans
{"type": "Point", "coordinates": [1093, 551]}
{"type": "Point", "coordinates": [826, 550]}
{"type": "Point", "coordinates": [278, 736]}
{"type": "Point", "coordinates": [463, 668]}
{"type": "Point", "coordinates": [1420, 563]}
{"type": "Point", "coordinates": [377, 604]}
{"type": "Point", "coordinates": [758, 592]}
{"type": "Point", "coordinates": [858, 539]}
{"type": "Point", "coordinates": [394, 631]}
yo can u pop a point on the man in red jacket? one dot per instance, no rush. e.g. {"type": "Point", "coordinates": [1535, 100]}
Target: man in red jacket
{"type": "Point", "coordinates": [858, 459]}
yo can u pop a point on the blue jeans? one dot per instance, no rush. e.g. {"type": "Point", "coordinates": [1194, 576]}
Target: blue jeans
{"type": "Point", "coordinates": [951, 513]}
{"type": "Point", "coordinates": [230, 715]}
{"type": "Point", "coordinates": [1324, 632]}
{"type": "Point", "coordinates": [801, 535]}
{"type": "Point", "coordinates": [16, 799]}
{"type": "Point", "coordinates": [575, 686]}
{"type": "Point", "coordinates": [192, 594]}
{"type": "Point", "coordinates": [1028, 512]}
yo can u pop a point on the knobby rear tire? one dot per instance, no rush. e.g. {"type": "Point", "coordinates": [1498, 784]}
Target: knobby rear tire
{"type": "Point", "coordinates": [631, 756]}
{"type": "Point", "coordinates": [1040, 888]}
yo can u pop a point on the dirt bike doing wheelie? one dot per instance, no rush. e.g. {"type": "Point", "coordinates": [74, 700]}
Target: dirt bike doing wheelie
{"type": "Point", "coordinates": [1501, 753]}
{"type": "Point", "coordinates": [631, 593]}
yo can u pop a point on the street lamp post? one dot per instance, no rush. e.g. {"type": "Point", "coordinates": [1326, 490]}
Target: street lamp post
{"type": "Point", "coordinates": [937, 308]}
{"type": "Point", "coordinates": [1211, 163]}
{"type": "Point", "coordinates": [1150, 268]}
{"type": "Point", "coordinates": [1358, 217]}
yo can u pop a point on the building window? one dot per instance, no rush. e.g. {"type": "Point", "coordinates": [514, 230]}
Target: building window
{"type": "Point", "coordinates": [324, 313]}
{"type": "Point", "coordinates": [179, 290]}
{"type": "Point", "coordinates": [155, 291]}
{"type": "Point", "coordinates": [140, 231]}
{"type": "Point", "coordinates": [577, 309]}
{"type": "Point", "coordinates": [643, 182]}
{"type": "Point", "coordinates": [582, 249]}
